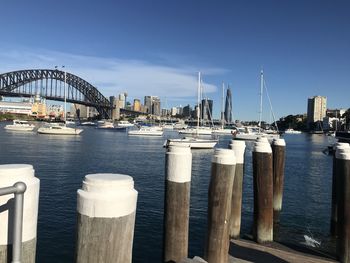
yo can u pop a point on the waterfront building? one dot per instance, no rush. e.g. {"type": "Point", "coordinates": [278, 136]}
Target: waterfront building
{"type": "Point", "coordinates": [137, 105]}
{"type": "Point", "coordinates": [179, 110]}
{"type": "Point", "coordinates": [122, 100]}
{"type": "Point", "coordinates": [16, 107]}
{"type": "Point", "coordinates": [55, 111]}
{"type": "Point", "coordinates": [39, 107]}
{"type": "Point", "coordinates": [173, 111]}
{"type": "Point", "coordinates": [228, 106]}
{"type": "Point", "coordinates": [316, 110]}
{"type": "Point", "coordinates": [165, 112]}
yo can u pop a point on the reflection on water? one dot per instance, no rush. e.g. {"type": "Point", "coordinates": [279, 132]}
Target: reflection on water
{"type": "Point", "coordinates": [62, 161]}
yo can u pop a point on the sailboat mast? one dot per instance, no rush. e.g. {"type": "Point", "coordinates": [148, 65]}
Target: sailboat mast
{"type": "Point", "coordinates": [261, 96]}
{"type": "Point", "coordinates": [223, 106]}
{"type": "Point", "coordinates": [198, 99]}
{"type": "Point", "coordinates": [65, 99]}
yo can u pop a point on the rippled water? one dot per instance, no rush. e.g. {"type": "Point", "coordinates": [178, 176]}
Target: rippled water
{"type": "Point", "coordinates": [61, 162]}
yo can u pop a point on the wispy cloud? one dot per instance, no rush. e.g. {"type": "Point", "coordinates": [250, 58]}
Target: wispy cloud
{"type": "Point", "coordinates": [113, 75]}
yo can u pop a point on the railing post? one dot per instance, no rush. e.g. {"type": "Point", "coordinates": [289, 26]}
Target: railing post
{"type": "Point", "coordinates": [22, 213]}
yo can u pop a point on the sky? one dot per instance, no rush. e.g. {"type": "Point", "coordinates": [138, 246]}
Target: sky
{"type": "Point", "coordinates": [158, 47]}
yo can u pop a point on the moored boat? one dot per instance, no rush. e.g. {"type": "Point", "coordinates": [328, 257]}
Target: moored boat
{"type": "Point", "coordinates": [194, 143]}
{"type": "Point", "coordinates": [292, 131]}
{"type": "Point", "coordinates": [19, 125]}
{"type": "Point", "coordinates": [146, 131]}
{"type": "Point", "coordinates": [56, 129]}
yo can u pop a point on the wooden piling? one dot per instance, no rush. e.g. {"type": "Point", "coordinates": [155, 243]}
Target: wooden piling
{"type": "Point", "coordinates": [106, 207]}
{"type": "Point", "coordinates": [219, 205]}
{"type": "Point", "coordinates": [278, 153]}
{"type": "Point", "coordinates": [9, 175]}
{"type": "Point", "coordinates": [236, 204]}
{"type": "Point", "coordinates": [263, 191]}
{"type": "Point", "coordinates": [177, 203]}
{"type": "Point", "coordinates": [343, 200]}
{"type": "Point", "coordinates": [334, 212]}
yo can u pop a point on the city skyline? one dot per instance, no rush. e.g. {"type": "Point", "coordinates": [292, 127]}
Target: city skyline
{"type": "Point", "coordinates": [148, 50]}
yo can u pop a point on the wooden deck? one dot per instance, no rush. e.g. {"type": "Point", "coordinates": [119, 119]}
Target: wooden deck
{"type": "Point", "coordinates": [245, 251]}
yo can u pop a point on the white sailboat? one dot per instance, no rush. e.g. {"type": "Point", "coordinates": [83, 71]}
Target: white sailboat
{"type": "Point", "coordinates": [251, 133]}
{"type": "Point", "coordinates": [193, 142]}
{"type": "Point", "coordinates": [56, 129]}
{"type": "Point", "coordinates": [147, 131]}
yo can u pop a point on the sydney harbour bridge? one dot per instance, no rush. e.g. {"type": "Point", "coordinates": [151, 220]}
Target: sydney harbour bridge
{"type": "Point", "coordinates": [49, 84]}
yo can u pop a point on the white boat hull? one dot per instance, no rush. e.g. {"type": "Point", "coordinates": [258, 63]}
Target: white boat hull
{"type": "Point", "coordinates": [19, 128]}
{"type": "Point", "coordinates": [146, 132]}
{"type": "Point", "coordinates": [254, 136]}
{"type": "Point", "coordinates": [59, 131]}
{"type": "Point", "coordinates": [196, 132]}
{"type": "Point", "coordinates": [192, 143]}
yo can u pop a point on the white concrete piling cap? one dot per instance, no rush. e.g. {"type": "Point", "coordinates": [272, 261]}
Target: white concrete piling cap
{"type": "Point", "coordinates": [279, 142]}
{"type": "Point", "coordinates": [343, 153]}
{"type": "Point", "coordinates": [224, 156]}
{"type": "Point", "coordinates": [179, 164]}
{"type": "Point", "coordinates": [9, 175]}
{"type": "Point", "coordinates": [262, 147]}
{"type": "Point", "coordinates": [107, 195]}
{"type": "Point", "coordinates": [238, 147]}
{"type": "Point", "coordinates": [341, 145]}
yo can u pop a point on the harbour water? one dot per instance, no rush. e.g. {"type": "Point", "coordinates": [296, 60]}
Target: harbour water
{"type": "Point", "coordinates": [61, 162]}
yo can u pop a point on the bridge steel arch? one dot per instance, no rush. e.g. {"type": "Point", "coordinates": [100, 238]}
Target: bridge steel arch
{"type": "Point", "coordinates": [79, 91]}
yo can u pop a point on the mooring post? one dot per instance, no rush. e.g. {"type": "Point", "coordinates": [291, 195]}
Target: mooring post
{"type": "Point", "coordinates": [279, 155]}
{"type": "Point", "coordinates": [236, 205]}
{"type": "Point", "coordinates": [106, 207]}
{"type": "Point", "coordinates": [343, 200]}
{"type": "Point", "coordinates": [20, 216]}
{"type": "Point", "coordinates": [334, 213]}
{"type": "Point", "coordinates": [263, 191]}
{"type": "Point", "coordinates": [178, 165]}
{"type": "Point", "coordinates": [219, 205]}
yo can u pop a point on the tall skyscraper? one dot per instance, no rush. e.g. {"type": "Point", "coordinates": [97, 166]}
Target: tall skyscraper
{"type": "Point", "coordinates": [316, 109]}
{"type": "Point", "coordinates": [148, 104]}
{"type": "Point", "coordinates": [228, 106]}
{"type": "Point", "coordinates": [137, 105]}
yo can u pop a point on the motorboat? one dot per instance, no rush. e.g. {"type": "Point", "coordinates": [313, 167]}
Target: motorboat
{"type": "Point", "coordinates": [88, 123]}
{"type": "Point", "coordinates": [124, 124]}
{"type": "Point", "coordinates": [105, 125]}
{"type": "Point", "coordinates": [146, 131]}
{"type": "Point", "coordinates": [193, 143]}
{"type": "Point", "coordinates": [56, 129]}
{"type": "Point", "coordinates": [291, 131]}
{"type": "Point", "coordinates": [19, 125]}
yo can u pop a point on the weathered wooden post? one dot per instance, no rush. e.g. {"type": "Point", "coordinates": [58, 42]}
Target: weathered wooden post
{"type": "Point", "coordinates": [106, 208]}
{"type": "Point", "coordinates": [236, 205]}
{"type": "Point", "coordinates": [9, 175]}
{"type": "Point", "coordinates": [279, 155]}
{"type": "Point", "coordinates": [178, 164]}
{"type": "Point", "coordinates": [343, 198]}
{"type": "Point", "coordinates": [334, 215]}
{"type": "Point", "coordinates": [263, 191]}
{"type": "Point", "coordinates": [219, 205]}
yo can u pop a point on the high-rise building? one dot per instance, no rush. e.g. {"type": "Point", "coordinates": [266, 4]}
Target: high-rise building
{"type": "Point", "coordinates": [137, 105]}
{"type": "Point", "coordinates": [207, 109]}
{"type": "Point", "coordinates": [228, 106]}
{"type": "Point", "coordinates": [152, 103]}
{"type": "Point", "coordinates": [316, 109]}
{"type": "Point", "coordinates": [187, 111]}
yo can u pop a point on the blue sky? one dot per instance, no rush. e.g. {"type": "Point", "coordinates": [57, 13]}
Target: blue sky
{"type": "Point", "coordinates": [156, 48]}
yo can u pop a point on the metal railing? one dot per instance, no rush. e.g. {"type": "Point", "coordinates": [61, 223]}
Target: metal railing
{"type": "Point", "coordinates": [18, 190]}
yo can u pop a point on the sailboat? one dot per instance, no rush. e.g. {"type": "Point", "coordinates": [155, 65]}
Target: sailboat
{"type": "Point", "coordinates": [57, 129]}
{"type": "Point", "coordinates": [193, 142]}
{"type": "Point", "coordinates": [252, 133]}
